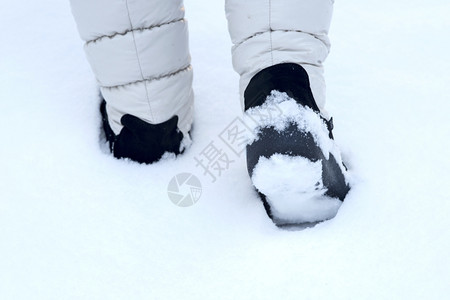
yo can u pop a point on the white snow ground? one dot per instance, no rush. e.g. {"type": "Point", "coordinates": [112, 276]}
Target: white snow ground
{"type": "Point", "coordinates": [76, 223]}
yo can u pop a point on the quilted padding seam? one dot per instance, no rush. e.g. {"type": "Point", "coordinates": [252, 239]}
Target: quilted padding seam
{"type": "Point", "coordinates": [128, 31]}
{"type": "Point", "coordinates": [150, 79]}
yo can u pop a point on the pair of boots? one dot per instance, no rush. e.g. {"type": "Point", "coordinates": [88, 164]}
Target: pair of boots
{"type": "Point", "coordinates": [292, 159]}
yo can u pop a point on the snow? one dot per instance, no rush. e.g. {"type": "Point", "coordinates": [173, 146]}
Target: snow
{"type": "Point", "coordinates": [77, 224]}
{"type": "Point", "coordinates": [294, 189]}
{"type": "Point", "coordinates": [279, 110]}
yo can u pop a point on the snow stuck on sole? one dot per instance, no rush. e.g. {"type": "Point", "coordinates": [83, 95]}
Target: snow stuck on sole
{"type": "Point", "coordinates": [279, 110]}
{"type": "Point", "coordinates": [293, 185]}
{"type": "Point", "coordinates": [294, 189]}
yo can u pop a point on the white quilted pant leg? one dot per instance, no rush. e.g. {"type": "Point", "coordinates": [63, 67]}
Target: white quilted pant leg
{"type": "Point", "coordinates": [138, 51]}
{"type": "Point", "coordinates": [269, 32]}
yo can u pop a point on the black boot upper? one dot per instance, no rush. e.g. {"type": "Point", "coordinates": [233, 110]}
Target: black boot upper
{"type": "Point", "coordinates": [289, 78]}
{"type": "Point", "coordinates": [141, 141]}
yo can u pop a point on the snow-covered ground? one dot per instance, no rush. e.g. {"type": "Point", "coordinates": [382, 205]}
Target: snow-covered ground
{"type": "Point", "coordinates": [76, 223]}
